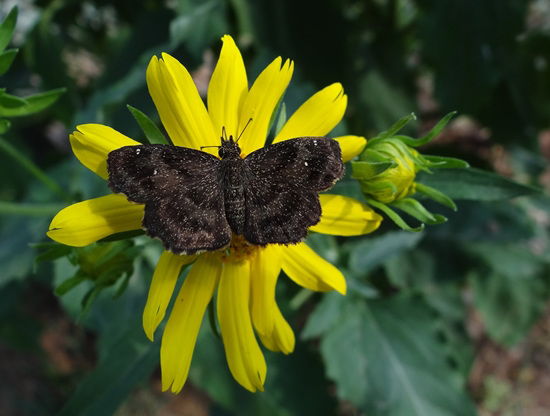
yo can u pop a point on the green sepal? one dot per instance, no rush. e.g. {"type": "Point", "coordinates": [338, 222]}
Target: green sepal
{"type": "Point", "coordinates": [416, 209]}
{"type": "Point", "coordinates": [281, 120]}
{"type": "Point", "coordinates": [7, 27]}
{"type": "Point", "coordinates": [394, 216]}
{"type": "Point", "coordinates": [52, 251]}
{"type": "Point", "coordinates": [431, 135]}
{"type": "Point", "coordinates": [68, 284]}
{"type": "Point", "coordinates": [368, 170]}
{"type": "Point", "coordinates": [212, 319]}
{"type": "Point", "coordinates": [150, 129]}
{"type": "Point", "coordinates": [436, 195]}
{"type": "Point", "coordinates": [6, 59]}
{"type": "Point", "coordinates": [122, 236]}
{"type": "Point", "coordinates": [372, 187]}
{"type": "Point", "coordinates": [398, 125]}
{"type": "Point", "coordinates": [28, 105]}
{"type": "Point", "coordinates": [123, 285]}
{"type": "Point", "coordinates": [441, 162]}
{"type": "Point", "coordinates": [88, 301]}
{"type": "Point", "coordinates": [273, 116]}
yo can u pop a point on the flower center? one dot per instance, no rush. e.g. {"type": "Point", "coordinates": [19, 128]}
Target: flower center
{"type": "Point", "coordinates": [239, 250]}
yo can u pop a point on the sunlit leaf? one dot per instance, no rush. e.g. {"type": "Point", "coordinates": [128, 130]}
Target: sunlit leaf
{"type": "Point", "coordinates": [7, 27]}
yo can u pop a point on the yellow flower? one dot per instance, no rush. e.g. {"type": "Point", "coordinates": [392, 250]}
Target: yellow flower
{"type": "Point", "coordinates": [244, 276]}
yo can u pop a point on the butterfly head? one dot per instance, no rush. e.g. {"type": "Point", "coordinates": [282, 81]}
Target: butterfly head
{"type": "Point", "coordinates": [229, 148]}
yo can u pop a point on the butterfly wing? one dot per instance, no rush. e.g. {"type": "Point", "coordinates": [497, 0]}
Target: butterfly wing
{"type": "Point", "coordinates": [282, 185]}
{"type": "Point", "coordinates": [182, 192]}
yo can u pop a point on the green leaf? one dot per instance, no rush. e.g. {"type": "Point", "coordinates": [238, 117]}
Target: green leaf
{"type": "Point", "coordinates": [284, 393]}
{"type": "Point", "coordinates": [126, 358]}
{"type": "Point", "coordinates": [510, 292]}
{"type": "Point", "coordinates": [7, 27]}
{"type": "Point", "coordinates": [509, 306]}
{"type": "Point", "coordinates": [392, 363]}
{"type": "Point", "coordinates": [6, 59]}
{"type": "Point", "coordinates": [4, 126]}
{"type": "Point", "coordinates": [10, 101]}
{"type": "Point", "coordinates": [475, 184]}
{"type": "Point", "coordinates": [30, 166]}
{"type": "Point", "coordinates": [371, 253]}
{"type": "Point", "coordinates": [384, 101]}
{"type": "Point", "coordinates": [326, 316]}
{"type": "Point", "coordinates": [150, 129]}
{"type": "Point", "coordinates": [367, 170]}
{"type": "Point", "coordinates": [33, 104]}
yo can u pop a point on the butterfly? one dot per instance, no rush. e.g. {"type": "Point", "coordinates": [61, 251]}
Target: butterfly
{"type": "Point", "coordinates": [195, 201]}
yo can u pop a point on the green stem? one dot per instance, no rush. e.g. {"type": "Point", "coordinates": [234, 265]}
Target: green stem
{"type": "Point", "coordinates": [34, 210]}
{"type": "Point", "coordinates": [32, 168]}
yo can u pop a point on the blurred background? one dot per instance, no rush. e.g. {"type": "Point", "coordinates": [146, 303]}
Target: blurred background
{"type": "Point", "coordinates": [450, 321]}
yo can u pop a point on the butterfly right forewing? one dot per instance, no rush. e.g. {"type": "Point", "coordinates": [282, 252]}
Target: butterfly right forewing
{"type": "Point", "coordinates": [282, 185]}
{"type": "Point", "coordinates": [182, 192]}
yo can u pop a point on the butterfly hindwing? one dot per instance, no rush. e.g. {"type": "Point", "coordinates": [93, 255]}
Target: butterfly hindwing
{"type": "Point", "coordinates": [182, 192]}
{"type": "Point", "coordinates": [281, 192]}
{"type": "Point", "coordinates": [279, 214]}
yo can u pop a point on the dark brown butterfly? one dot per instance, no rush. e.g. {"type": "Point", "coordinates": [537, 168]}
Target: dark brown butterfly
{"type": "Point", "coordinates": [195, 202]}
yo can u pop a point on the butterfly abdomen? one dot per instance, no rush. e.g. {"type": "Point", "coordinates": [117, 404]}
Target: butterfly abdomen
{"type": "Point", "coordinates": [234, 193]}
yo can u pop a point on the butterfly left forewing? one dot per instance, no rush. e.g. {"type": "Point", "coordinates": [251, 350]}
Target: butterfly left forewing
{"type": "Point", "coordinates": [283, 181]}
{"type": "Point", "coordinates": [182, 192]}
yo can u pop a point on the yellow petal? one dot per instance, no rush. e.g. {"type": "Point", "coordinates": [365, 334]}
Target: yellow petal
{"type": "Point", "coordinates": [346, 216]}
{"type": "Point", "coordinates": [180, 107]}
{"type": "Point", "coordinates": [351, 146]}
{"type": "Point", "coordinates": [282, 338]}
{"type": "Point", "coordinates": [245, 359]}
{"type": "Point", "coordinates": [160, 292]}
{"type": "Point", "coordinates": [92, 143]}
{"type": "Point", "coordinates": [311, 271]}
{"type": "Point", "coordinates": [317, 116]}
{"type": "Point", "coordinates": [182, 328]}
{"type": "Point", "coordinates": [265, 269]}
{"type": "Point", "coordinates": [227, 89]}
{"type": "Point", "coordinates": [85, 222]}
{"type": "Point", "coordinates": [260, 103]}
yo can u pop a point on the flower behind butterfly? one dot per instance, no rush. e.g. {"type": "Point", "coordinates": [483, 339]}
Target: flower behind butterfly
{"type": "Point", "coordinates": [244, 275]}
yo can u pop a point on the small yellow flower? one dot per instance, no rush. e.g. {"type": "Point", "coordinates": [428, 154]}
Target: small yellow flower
{"type": "Point", "coordinates": [244, 276]}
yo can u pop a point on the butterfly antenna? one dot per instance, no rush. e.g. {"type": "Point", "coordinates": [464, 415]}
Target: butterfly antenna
{"type": "Point", "coordinates": [244, 128]}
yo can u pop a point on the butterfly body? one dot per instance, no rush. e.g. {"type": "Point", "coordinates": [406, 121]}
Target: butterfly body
{"type": "Point", "coordinates": [235, 179]}
{"type": "Point", "coordinates": [195, 201]}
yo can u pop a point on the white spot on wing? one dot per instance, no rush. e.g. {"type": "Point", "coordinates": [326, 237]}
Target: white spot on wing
{"type": "Point", "coordinates": [305, 163]}
{"type": "Point", "coordinates": [137, 151]}
{"type": "Point", "coordinates": [315, 142]}
{"type": "Point", "coordinates": [155, 172]}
